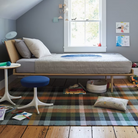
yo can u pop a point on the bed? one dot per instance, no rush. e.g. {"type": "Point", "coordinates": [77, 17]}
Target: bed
{"type": "Point", "coordinates": [91, 64]}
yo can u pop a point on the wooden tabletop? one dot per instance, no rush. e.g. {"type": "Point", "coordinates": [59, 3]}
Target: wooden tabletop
{"type": "Point", "coordinates": [13, 65]}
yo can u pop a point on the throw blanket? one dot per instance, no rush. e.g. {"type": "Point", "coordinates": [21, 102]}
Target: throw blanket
{"type": "Point", "coordinates": [86, 64]}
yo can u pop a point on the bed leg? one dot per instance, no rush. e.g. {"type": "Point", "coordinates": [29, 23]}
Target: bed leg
{"type": "Point", "coordinates": [105, 77]}
{"type": "Point", "coordinates": [111, 83]}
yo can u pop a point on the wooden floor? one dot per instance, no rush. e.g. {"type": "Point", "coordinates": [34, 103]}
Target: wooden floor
{"type": "Point", "coordinates": [67, 132]}
{"type": "Point", "coordinates": [11, 131]}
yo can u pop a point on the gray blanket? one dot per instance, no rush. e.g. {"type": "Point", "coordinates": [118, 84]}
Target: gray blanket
{"type": "Point", "coordinates": [103, 64]}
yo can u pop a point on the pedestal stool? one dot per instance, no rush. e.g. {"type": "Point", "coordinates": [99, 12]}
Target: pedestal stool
{"type": "Point", "coordinates": [34, 82]}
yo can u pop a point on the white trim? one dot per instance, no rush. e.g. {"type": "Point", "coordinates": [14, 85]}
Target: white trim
{"type": "Point", "coordinates": [103, 22]}
{"type": "Point", "coordinates": [84, 49]}
{"type": "Point", "coordinates": [68, 48]}
{"type": "Point", "coordinates": [10, 79]}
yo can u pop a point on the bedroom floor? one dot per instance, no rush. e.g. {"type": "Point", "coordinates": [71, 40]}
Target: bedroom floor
{"type": "Point", "coordinates": [14, 131]}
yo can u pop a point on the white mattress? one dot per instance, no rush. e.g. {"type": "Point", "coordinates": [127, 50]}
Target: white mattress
{"type": "Point", "coordinates": [55, 64]}
{"type": "Point", "coordinates": [27, 65]}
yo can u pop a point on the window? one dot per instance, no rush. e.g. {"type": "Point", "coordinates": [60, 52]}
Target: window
{"type": "Point", "coordinates": [85, 26]}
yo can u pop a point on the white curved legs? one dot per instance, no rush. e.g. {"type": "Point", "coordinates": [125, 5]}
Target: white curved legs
{"type": "Point", "coordinates": [7, 96]}
{"type": "Point", "coordinates": [15, 97]}
{"type": "Point", "coordinates": [35, 102]}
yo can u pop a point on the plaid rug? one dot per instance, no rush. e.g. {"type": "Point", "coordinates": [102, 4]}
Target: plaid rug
{"type": "Point", "coordinates": [75, 110]}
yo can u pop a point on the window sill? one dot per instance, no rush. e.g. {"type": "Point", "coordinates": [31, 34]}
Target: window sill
{"type": "Point", "coordinates": [84, 49]}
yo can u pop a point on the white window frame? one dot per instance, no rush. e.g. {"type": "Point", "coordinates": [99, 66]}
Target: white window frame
{"type": "Point", "coordinates": [68, 47]}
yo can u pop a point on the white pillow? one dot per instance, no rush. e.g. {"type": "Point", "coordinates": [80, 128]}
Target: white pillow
{"type": "Point", "coordinates": [37, 48]}
{"type": "Point", "coordinates": [110, 102]}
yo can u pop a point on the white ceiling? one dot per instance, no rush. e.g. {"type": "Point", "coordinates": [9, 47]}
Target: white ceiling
{"type": "Point", "coordinates": [13, 9]}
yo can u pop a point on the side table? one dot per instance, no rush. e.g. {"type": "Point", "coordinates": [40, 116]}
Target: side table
{"type": "Point", "coordinates": [7, 96]}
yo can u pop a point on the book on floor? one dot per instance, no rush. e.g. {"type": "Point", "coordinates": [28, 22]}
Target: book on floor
{"type": "Point", "coordinates": [21, 116]}
{"type": "Point", "coordinates": [77, 90]}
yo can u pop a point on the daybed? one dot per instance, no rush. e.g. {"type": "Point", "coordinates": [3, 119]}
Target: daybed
{"type": "Point", "coordinates": [106, 64]}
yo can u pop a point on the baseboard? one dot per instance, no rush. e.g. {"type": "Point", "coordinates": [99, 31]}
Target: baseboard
{"type": "Point", "coordinates": [10, 79]}
{"type": "Point", "coordinates": [82, 77]}
{"type": "Point", "coordinates": [118, 77]}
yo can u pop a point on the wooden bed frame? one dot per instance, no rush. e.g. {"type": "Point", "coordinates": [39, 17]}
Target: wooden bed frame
{"type": "Point", "coordinates": [14, 56]}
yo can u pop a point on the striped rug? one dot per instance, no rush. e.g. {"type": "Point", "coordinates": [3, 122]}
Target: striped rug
{"type": "Point", "coordinates": [75, 110]}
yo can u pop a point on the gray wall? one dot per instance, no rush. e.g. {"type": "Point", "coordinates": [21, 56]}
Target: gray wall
{"type": "Point", "coordinates": [37, 23]}
{"type": "Point", "coordinates": [123, 11]}
{"type": "Point", "coordinates": [5, 27]}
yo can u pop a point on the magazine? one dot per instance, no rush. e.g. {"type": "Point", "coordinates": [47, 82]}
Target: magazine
{"type": "Point", "coordinates": [8, 108]}
{"type": "Point", "coordinates": [2, 114]}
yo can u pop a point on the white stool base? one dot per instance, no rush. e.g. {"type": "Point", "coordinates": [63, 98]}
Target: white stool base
{"type": "Point", "coordinates": [35, 102]}
{"type": "Point", "coordinates": [8, 97]}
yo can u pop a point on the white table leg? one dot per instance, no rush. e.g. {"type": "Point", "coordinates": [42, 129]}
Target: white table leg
{"type": "Point", "coordinates": [7, 96]}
